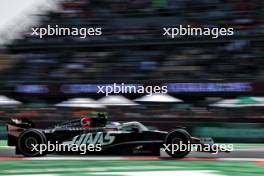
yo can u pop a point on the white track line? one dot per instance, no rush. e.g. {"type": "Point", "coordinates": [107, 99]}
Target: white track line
{"type": "Point", "coordinates": [91, 169]}
{"type": "Point", "coordinates": [145, 158]}
{"type": "Point", "coordinates": [242, 159]}
{"type": "Point", "coordinates": [7, 147]}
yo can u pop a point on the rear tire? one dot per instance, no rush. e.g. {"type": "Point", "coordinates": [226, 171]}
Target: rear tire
{"type": "Point", "coordinates": [177, 137]}
{"type": "Point", "coordinates": [27, 139]}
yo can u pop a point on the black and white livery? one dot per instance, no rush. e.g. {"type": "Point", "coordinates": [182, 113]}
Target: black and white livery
{"type": "Point", "coordinates": [130, 138]}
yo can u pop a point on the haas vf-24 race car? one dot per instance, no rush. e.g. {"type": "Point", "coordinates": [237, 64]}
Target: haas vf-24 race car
{"type": "Point", "coordinates": [130, 138]}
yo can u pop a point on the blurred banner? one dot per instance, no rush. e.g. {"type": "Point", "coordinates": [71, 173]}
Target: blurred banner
{"type": "Point", "coordinates": [173, 87]}
{"type": "Point", "coordinates": [176, 88]}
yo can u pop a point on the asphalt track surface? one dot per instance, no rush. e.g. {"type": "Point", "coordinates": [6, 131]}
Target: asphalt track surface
{"type": "Point", "coordinates": [240, 162]}
{"type": "Point", "coordinates": [245, 153]}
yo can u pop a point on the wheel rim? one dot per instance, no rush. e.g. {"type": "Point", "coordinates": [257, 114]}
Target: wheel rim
{"type": "Point", "coordinates": [30, 142]}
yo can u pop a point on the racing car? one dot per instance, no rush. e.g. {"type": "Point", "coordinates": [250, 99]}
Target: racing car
{"type": "Point", "coordinates": [129, 138]}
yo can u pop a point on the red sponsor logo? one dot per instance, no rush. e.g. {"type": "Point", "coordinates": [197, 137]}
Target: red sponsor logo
{"type": "Point", "coordinates": [86, 122]}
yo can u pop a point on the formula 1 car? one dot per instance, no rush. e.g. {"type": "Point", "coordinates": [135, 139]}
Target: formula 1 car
{"type": "Point", "coordinates": [130, 138]}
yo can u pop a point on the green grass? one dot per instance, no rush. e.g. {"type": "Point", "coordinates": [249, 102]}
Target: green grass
{"type": "Point", "coordinates": [3, 142]}
{"type": "Point", "coordinates": [124, 168]}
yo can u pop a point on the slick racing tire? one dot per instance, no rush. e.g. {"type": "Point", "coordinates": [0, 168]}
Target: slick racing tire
{"type": "Point", "coordinates": [28, 139]}
{"type": "Point", "coordinates": [176, 138]}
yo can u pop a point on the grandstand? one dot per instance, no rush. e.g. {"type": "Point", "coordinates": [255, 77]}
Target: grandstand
{"type": "Point", "coordinates": [132, 43]}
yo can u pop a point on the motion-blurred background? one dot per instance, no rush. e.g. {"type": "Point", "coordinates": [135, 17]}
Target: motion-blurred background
{"type": "Point", "coordinates": [215, 86]}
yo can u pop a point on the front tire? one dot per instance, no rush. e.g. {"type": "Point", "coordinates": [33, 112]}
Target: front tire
{"type": "Point", "coordinates": [29, 138]}
{"type": "Point", "coordinates": [176, 138]}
